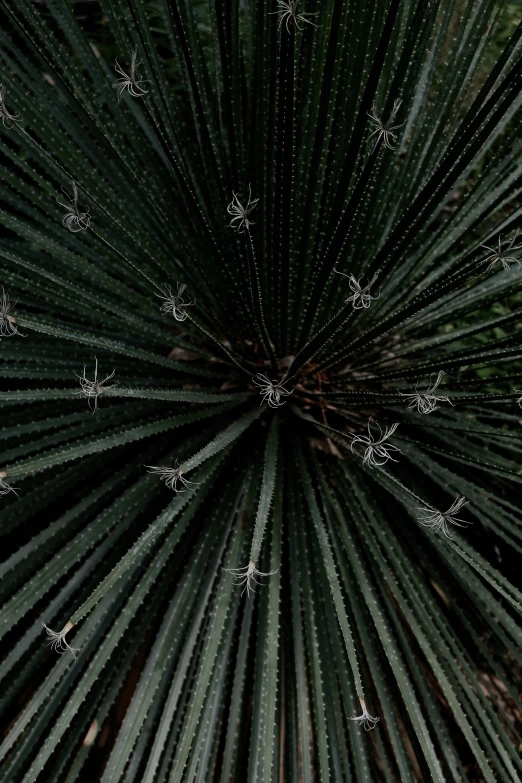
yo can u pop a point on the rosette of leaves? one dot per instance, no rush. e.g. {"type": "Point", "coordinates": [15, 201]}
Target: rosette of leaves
{"type": "Point", "coordinates": [267, 243]}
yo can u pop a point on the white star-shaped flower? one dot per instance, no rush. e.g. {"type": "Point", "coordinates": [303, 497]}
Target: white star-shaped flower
{"type": "Point", "coordinates": [427, 402]}
{"type": "Point", "coordinates": [438, 521]}
{"type": "Point", "coordinates": [5, 488]}
{"type": "Point", "coordinates": [361, 297]}
{"type": "Point", "coordinates": [385, 130]}
{"type": "Point", "coordinates": [8, 119]}
{"type": "Point", "coordinates": [365, 719]}
{"type": "Point", "coordinates": [287, 12]}
{"type": "Point", "coordinates": [128, 81]}
{"type": "Point", "coordinates": [377, 451]}
{"type": "Point", "coordinates": [8, 326]}
{"type": "Point", "coordinates": [247, 576]}
{"type": "Point", "coordinates": [502, 255]}
{"type": "Point", "coordinates": [271, 391]}
{"type": "Point", "coordinates": [241, 213]}
{"type": "Point", "coordinates": [57, 640]}
{"type": "Point", "coordinates": [93, 389]}
{"type": "Point", "coordinates": [74, 219]}
{"type": "Point", "coordinates": [174, 304]}
{"type": "Point", "coordinates": [172, 477]}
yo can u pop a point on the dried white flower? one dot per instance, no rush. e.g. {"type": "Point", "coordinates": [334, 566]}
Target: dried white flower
{"type": "Point", "coordinates": [376, 448]}
{"type": "Point", "coordinates": [5, 488]}
{"type": "Point", "coordinates": [247, 576]}
{"type": "Point", "coordinates": [8, 326]}
{"type": "Point", "coordinates": [427, 402]}
{"type": "Point", "coordinates": [272, 391]}
{"type": "Point", "coordinates": [439, 520]}
{"type": "Point", "coordinates": [172, 477]}
{"type": "Point", "coordinates": [93, 389]}
{"type": "Point", "coordinates": [365, 719]}
{"type": "Point", "coordinates": [57, 640]}
{"type": "Point", "coordinates": [173, 303]}
{"type": "Point", "coordinates": [288, 12]}
{"type": "Point", "coordinates": [361, 296]}
{"type": "Point", "coordinates": [385, 130]}
{"type": "Point", "coordinates": [241, 213]}
{"type": "Point", "coordinates": [74, 219]}
{"type": "Point", "coordinates": [8, 119]}
{"type": "Point", "coordinates": [502, 255]}
{"type": "Point", "coordinates": [128, 81]}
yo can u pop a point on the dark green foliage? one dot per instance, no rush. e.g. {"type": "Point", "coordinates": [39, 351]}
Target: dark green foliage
{"type": "Point", "coordinates": [358, 278]}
